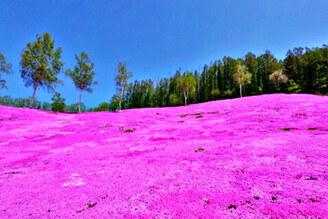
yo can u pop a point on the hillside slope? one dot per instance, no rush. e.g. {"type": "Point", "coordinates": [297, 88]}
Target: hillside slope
{"type": "Point", "coordinates": [261, 156]}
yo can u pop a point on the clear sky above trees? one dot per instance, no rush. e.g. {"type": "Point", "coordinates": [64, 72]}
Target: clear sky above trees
{"type": "Point", "coordinates": [154, 37]}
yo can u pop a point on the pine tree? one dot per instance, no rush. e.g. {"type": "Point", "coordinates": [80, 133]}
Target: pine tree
{"type": "Point", "coordinates": [58, 103]}
{"type": "Point", "coordinates": [82, 75]}
{"type": "Point", "coordinates": [40, 64]}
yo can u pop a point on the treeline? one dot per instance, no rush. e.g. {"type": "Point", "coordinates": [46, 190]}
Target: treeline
{"type": "Point", "coordinates": [303, 70]}
{"type": "Point", "coordinates": [57, 104]}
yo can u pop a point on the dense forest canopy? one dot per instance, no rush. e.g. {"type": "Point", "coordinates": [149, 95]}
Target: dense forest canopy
{"type": "Point", "coordinates": [303, 70]}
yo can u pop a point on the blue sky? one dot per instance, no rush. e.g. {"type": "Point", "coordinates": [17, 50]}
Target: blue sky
{"type": "Point", "coordinates": [154, 37]}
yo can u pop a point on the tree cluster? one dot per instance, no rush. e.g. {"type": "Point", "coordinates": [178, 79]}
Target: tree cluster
{"type": "Point", "coordinates": [303, 70]}
{"type": "Point", "coordinates": [41, 63]}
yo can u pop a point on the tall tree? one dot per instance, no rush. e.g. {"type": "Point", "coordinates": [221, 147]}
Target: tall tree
{"type": "Point", "coordinates": [241, 76]}
{"type": "Point", "coordinates": [252, 66]}
{"type": "Point", "coordinates": [187, 84]}
{"type": "Point", "coordinates": [58, 103]}
{"type": "Point", "coordinates": [122, 82]}
{"type": "Point", "coordinates": [5, 67]}
{"type": "Point", "coordinates": [267, 64]}
{"type": "Point", "coordinates": [82, 74]}
{"type": "Point", "coordinates": [40, 64]}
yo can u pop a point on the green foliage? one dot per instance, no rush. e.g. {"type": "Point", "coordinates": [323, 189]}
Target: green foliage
{"type": "Point", "coordinates": [102, 107]}
{"type": "Point", "coordinates": [307, 72]}
{"type": "Point", "coordinates": [199, 150]}
{"type": "Point", "coordinates": [19, 102]}
{"type": "Point", "coordinates": [113, 104]}
{"type": "Point", "coordinates": [215, 94]}
{"type": "Point", "coordinates": [75, 108]}
{"type": "Point", "coordinates": [187, 84]}
{"type": "Point", "coordinates": [128, 130]}
{"type": "Point", "coordinates": [293, 87]}
{"type": "Point", "coordinates": [122, 82]}
{"type": "Point", "coordinates": [6, 101]}
{"type": "Point", "coordinates": [58, 103]}
{"type": "Point", "coordinates": [175, 100]}
{"type": "Point", "coordinates": [227, 93]}
{"type": "Point", "coordinates": [46, 106]}
{"type": "Point", "coordinates": [82, 74]}
{"type": "Point", "coordinates": [241, 76]}
{"type": "Point", "coordinates": [5, 67]}
{"type": "Point", "coordinates": [40, 64]}
{"type": "Point", "coordinates": [306, 69]}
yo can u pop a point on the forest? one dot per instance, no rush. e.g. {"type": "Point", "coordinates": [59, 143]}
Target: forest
{"type": "Point", "coordinates": [303, 70]}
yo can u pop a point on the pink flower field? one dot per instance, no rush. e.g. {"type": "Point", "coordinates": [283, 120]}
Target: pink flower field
{"type": "Point", "coordinates": [254, 157]}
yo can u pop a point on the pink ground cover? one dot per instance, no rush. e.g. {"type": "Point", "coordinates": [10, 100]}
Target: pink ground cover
{"type": "Point", "coordinates": [254, 157]}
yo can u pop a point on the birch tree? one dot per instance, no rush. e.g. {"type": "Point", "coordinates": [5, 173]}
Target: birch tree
{"type": "Point", "coordinates": [187, 84]}
{"type": "Point", "coordinates": [122, 82]}
{"type": "Point", "coordinates": [241, 76]}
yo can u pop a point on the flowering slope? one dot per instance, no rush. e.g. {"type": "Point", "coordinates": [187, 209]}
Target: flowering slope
{"type": "Point", "coordinates": [261, 156]}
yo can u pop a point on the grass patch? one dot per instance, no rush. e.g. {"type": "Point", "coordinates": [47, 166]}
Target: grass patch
{"type": "Point", "coordinates": [80, 211]}
{"type": "Point", "coordinates": [195, 114]}
{"type": "Point", "coordinates": [199, 150]}
{"type": "Point", "coordinates": [91, 205]}
{"type": "Point", "coordinates": [128, 130]}
{"type": "Point", "coordinates": [232, 207]}
{"type": "Point", "coordinates": [285, 129]}
{"type": "Point", "coordinates": [312, 129]}
{"type": "Point", "coordinates": [311, 178]}
{"type": "Point", "coordinates": [200, 116]}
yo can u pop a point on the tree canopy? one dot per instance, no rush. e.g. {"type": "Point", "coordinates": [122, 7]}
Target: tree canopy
{"type": "Point", "coordinates": [82, 74]}
{"type": "Point", "coordinates": [58, 103]}
{"type": "Point", "coordinates": [187, 84]}
{"type": "Point", "coordinates": [122, 82]}
{"type": "Point", "coordinates": [241, 76]}
{"type": "Point", "coordinates": [40, 64]}
{"type": "Point", "coordinates": [5, 67]}
{"type": "Point", "coordinates": [302, 70]}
